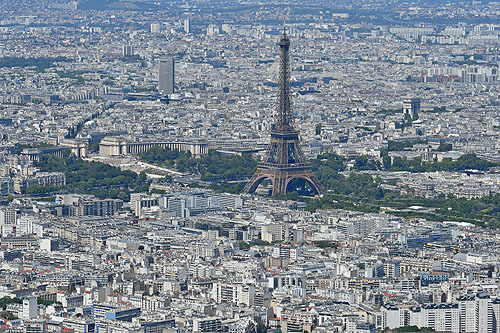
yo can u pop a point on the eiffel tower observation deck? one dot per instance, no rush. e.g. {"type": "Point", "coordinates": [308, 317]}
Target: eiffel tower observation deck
{"type": "Point", "coordinates": [284, 163]}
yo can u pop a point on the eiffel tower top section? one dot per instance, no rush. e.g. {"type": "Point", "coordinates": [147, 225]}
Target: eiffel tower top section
{"type": "Point", "coordinates": [283, 119]}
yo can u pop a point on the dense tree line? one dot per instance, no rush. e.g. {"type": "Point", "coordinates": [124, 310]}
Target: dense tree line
{"type": "Point", "coordinates": [178, 160]}
{"type": "Point", "coordinates": [233, 188]}
{"type": "Point", "coordinates": [96, 178]}
{"type": "Point", "coordinates": [215, 166]}
{"type": "Point", "coordinates": [41, 189]}
{"type": "Point", "coordinates": [40, 63]}
{"type": "Point", "coordinates": [334, 162]}
{"type": "Point", "coordinates": [401, 145]}
{"type": "Point", "coordinates": [329, 162]}
{"type": "Point", "coordinates": [464, 162]}
{"type": "Point", "coordinates": [362, 163]}
{"type": "Point", "coordinates": [212, 167]}
{"type": "Point", "coordinates": [8, 300]}
{"type": "Point", "coordinates": [358, 184]}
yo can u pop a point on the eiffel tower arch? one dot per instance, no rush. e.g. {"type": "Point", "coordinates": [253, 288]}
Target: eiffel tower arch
{"type": "Point", "coordinates": [282, 180]}
{"type": "Point", "coordinates": [284, 160]}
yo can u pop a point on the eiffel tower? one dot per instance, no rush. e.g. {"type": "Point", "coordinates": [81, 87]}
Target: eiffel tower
{"type": "Point", "coordinates": [284, 163]}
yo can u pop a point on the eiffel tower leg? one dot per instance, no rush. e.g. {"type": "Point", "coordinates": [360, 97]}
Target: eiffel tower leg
{"type": "Point", "coordinates": [283, 184]}
{"type": "Point", "coordinates": [316, 183]}
{"type": "Point", "coordinates": [251, 182]}
{"type": "Point", "coordinates": [258, 177]}
{"type": "Point", "coordinates": [279, 184]}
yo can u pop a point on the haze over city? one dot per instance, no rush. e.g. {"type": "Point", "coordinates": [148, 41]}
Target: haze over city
{"type": "Point", "coordinates": [249, 166]}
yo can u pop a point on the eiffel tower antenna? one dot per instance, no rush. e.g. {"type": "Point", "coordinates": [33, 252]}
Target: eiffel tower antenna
{"type": "Point", "coordinates": [284, 161]}
{"type": "Point", "coordinates": [284, 19]}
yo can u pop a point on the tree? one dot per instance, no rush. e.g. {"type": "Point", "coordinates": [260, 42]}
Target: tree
{"type": "Point", "coordinates": [8, 300]}
{"type": "Point", "coordinates": [96, 178]}
{"type": "Point", "coordinates": [364, 163]}
{"type": "Point", "coordinates": [261, 327]}
{"type": "Point", "coordinates": [294, 195]}
{"type": "Point", "coordinates": [386, 160]}
{"type": "Point", "coordinates": [8, 315]}
{"type": "Point", "coordinates": [401, 145]}
{"type": "Point", "coordinates": [445, 147]}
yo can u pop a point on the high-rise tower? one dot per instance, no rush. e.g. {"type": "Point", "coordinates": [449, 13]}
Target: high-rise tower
{"type": "Point", "coordinates": [166, 75]}
{"type": "Point", "coordinates": [187, 26]}
{"type": "Point", "coordinates": [284, 163]}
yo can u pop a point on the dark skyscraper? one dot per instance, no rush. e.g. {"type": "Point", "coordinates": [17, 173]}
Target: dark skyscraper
{"type": "Point", "coordinates": [127, 51]}
{"type": "Point", "coordinates": [284, 163]}
{"type": "Point", "coordinates": [166, 74]}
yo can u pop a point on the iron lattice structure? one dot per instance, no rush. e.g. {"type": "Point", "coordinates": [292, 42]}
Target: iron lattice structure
{"type": "Point", "coordinates": [284, 161]}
